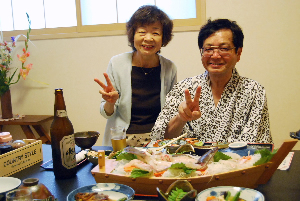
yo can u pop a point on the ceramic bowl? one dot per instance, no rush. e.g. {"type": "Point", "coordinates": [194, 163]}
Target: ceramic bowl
{"type": "Point", "coordinates": [237, 145]}
{"type": "Point", "coordinates": [246, 193]}
{"type": "Point", "coordinates": [180, 184]}
{"type": "Point", "coordinates": [7, 184]}
{"type": "Point", "coordinates": [86, 139]}
{"type": "Point", "coordinates": [113, 190]}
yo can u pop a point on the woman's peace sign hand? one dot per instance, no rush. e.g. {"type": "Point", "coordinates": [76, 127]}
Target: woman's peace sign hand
{"type": "Point", "coordinates": [109, 94]}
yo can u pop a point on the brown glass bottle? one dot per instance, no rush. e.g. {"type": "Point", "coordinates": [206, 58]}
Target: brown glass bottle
{"type": "Point", "coordinates": [62, 140]}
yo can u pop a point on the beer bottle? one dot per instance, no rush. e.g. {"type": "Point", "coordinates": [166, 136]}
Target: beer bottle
{"type": "Point", "coordinates": [62, 140]}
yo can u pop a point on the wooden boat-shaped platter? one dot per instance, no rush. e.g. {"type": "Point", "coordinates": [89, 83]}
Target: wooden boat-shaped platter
{"type": "Point", "coordinates": [248, 177]}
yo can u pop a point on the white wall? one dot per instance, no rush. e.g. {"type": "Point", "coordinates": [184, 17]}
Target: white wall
{"type": "Point", "coordinates": [271, 48]}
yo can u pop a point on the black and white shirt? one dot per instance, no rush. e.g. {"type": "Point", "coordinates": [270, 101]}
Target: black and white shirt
{"type": "Point", "coordinates": [241, 114]}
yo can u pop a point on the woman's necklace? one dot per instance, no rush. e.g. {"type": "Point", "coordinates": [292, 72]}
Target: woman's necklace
{"type": "Point", "coordinates": [148, 72]}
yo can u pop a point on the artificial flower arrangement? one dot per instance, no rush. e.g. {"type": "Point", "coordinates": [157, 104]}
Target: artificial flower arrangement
{"type": "Point", "coordinates": [6, 49]}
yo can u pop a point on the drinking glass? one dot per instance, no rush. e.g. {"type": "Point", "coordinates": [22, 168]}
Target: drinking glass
{"type": "Point", "coordinates": [118, 138]}
{"type": "Point", "coordinates": [19, 195]}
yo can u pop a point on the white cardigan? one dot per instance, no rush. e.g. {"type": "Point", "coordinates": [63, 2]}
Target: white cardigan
{"type": "Point", "coordinates": [119, 72]}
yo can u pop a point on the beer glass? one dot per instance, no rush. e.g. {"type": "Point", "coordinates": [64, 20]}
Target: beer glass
{"type": "Point", "coordinates": [118, 138]}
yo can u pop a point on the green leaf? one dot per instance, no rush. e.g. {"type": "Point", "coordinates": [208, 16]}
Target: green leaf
{"type": "Point", "coordinates": [139, 173]}
{"type": "Point", "coordinates": [219, 155]}
{"type": "Point", "coordinates": [125, 155]}
{"type": "Point", "coordinates": [200, 143]}
{"type": "Point", "coordinates": [176, 194]}
{"type": "Point", "coordinates": [183, 167]}
{"type": "Point", "coordinates": [266, 156]}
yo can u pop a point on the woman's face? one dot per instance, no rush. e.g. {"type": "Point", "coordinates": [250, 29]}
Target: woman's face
{"type": "Point", "coordinates": [148, 39]}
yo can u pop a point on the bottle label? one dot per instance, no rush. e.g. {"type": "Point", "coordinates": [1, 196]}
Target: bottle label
{"type": "Point", "coordinates": [61, 113]}
{"type": "Point", "coordinates": [67, 151]}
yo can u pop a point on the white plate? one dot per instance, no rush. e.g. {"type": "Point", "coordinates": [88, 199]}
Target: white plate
{"type": "Point", "coordinates": [9, 183]}
{"type": "Point", "coordinates": [113, 190]}
{"type": "Point", "coordinates": [237, 145]}
{"type": "Point", "coordinates": [246, 193]}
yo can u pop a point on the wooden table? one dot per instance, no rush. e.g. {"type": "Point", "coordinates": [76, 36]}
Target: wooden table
{"type": "Point", "coordinates": [31, 120]}
{"type": "Point", "coordinates": [284, 184]}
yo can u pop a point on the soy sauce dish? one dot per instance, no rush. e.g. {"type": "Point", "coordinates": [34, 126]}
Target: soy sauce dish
{"type": "Point", "coordinates": [237, 145]}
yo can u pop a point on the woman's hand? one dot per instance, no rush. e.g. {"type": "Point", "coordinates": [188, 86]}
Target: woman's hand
{"type": "Point", "coordinates": [109, 94]}
{"type": "Point", "coordinates": [189, 109]}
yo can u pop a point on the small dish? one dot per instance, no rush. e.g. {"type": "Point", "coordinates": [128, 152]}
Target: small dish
{"type": "Point", "coordinates": [93, 157]}
{"type": "Point", "coordinates": [113, 190]}
{"type": "Point", "coordinates": [184, 185]}
{"type": "Point", "coordinates": [237, 145]}
{"type": "Point", "coordinates": [246, 193]}
{"type": "Point", "coordinates": [8, 184]}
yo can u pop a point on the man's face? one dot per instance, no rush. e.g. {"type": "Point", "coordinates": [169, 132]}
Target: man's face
{"type": "Point", "coordinates": [217, 64]}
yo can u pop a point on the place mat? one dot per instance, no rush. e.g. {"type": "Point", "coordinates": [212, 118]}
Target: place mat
{"type": "Point", "coordinates": [286, 163]}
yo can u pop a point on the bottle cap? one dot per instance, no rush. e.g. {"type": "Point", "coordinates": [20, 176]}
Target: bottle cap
{"type": "Point", "coordinates": [5, 137]}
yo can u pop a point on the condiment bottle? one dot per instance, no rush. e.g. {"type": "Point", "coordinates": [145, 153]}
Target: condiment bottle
{"type": "Point", "coordinates": [39, 190]}
{"type": "Point", "coordinates": [62, 140]}
{"type": "Point", "coordinates": [5, 142]}
{"type": "Point", "coordinates": [5, 138]}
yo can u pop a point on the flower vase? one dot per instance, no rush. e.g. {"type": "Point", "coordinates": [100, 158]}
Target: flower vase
{"type": "Point", "coordinates": [6, 105]}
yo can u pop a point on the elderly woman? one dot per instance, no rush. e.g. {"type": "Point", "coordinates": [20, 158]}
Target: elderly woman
{"type": "Point", "coordinates": [137, 82]}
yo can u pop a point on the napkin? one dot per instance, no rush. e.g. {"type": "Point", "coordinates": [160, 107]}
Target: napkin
{"type": "Point", "coordinates": [285, 164]}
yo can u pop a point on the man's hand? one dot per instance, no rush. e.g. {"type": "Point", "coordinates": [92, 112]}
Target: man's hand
{"type": "Point", "coordinates": [109, 94]}
{"type": "Point", "coordinates": [189, 109]}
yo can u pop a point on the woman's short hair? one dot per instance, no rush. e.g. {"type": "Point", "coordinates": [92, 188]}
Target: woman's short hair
{"type": "Point", "coordinates": [213, 26]}
{"type": "Point", "coordinates": [147, 15]}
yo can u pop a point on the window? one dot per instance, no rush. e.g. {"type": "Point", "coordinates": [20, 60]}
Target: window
{"type": "Point", "coordinates": [82, 18]}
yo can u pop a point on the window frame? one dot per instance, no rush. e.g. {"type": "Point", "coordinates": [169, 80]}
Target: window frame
{"type": "Point", "coordinates": [180, 25]}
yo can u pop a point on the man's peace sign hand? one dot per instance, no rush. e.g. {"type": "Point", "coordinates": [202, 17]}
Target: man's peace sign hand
{"type": "Point", "coordinates": [189, 109]}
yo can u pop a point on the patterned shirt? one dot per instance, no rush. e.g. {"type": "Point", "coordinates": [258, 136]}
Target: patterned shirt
{"type": "Point", "coordinates": [241, 114]}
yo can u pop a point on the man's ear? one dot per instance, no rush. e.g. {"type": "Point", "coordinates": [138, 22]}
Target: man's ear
{"type": "Point", "coordinates": [239, 53]}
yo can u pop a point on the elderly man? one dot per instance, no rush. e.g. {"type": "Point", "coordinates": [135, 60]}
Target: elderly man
{"type": "Point", "coordinates": [219, 105]}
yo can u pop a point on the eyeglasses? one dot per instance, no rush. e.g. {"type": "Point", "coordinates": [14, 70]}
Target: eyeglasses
{"type": "Point", "coordinates": [222, 51]}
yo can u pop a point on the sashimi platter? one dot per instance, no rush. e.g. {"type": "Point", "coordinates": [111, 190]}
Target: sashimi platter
{"type": "Point", "coordinates": [146, 169]}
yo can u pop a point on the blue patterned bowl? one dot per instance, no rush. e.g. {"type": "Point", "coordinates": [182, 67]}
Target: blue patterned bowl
{"type": "Point", "coordinates": [113, 190]}
{"type": "Point", "coordinates": [246, 193]}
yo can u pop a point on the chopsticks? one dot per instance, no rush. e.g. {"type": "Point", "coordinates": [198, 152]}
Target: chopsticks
{"type": "Point", "coordinates": [173, 140]}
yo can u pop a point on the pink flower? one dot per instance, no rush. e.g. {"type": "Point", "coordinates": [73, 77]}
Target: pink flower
{"type": "Point", "coordinates": [28, 67]}
{"type": "Point", "coordinates": [22, 58]}
{"type": "Point", "coordinates": [8, 48]}
{"type": "Point", "coordinates": [24, 73]}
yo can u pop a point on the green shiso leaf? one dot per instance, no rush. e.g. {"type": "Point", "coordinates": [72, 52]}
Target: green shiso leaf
{"type": "Point", "coordinates": [200, 143]}
{"type": "Point", "coordinates": [125, 155]}
{"type": "Point", "coordinates": [183, 167]}
{"type": "Point", "coordinates": [117, 154]}
{"type": "Point", "coordinates": [135, 173]}
{"type": "Point", "coordinates": [266, 156]}
{"type": "Point", "coordinates": [220, 156]}
{"type": "Point", "coordinates": [176, 194]}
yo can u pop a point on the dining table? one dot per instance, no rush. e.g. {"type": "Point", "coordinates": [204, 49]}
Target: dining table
{"type": "Point", "coordinates": [283, 185]}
